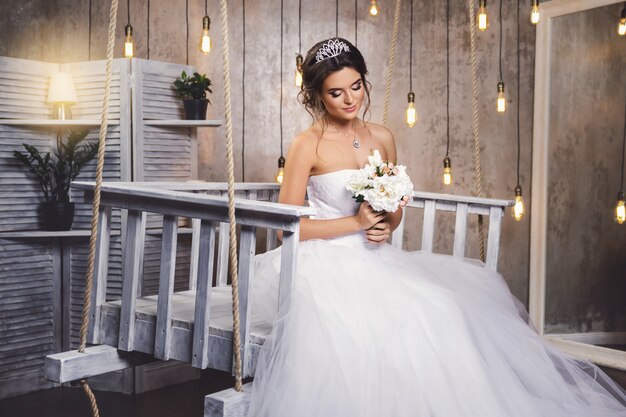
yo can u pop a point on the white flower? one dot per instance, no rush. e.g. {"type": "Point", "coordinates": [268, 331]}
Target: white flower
{"type": "Point", "coordinates": [375, 160]}
{"type": "Point", "coordinates": [380, 184]}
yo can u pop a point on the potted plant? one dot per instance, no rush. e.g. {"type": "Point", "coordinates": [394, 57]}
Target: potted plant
{"type": "Point", "coordinates": [193, 90]}
{"type": "Point", "coordinates": [55, 174]}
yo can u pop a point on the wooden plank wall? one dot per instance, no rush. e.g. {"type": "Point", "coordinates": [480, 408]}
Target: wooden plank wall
{"type": "Point", "coordinates": [26, 267]}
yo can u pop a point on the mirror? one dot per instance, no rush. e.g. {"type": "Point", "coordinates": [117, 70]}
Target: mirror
{"type": "Point", "coordinates": [578, 251]}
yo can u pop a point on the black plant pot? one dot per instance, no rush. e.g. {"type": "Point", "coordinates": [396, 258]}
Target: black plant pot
{"type": "Point", "coordinates": [195, 109]}
{"type": "Point", "coordinates": [57, 216]}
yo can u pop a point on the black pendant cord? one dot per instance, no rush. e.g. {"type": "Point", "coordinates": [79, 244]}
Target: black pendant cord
{"type": "Point", "coordinates": [281, 78]}
{"type": "Point", "coordinates": [243, 93]}
{"type": "Point", "coordinates": [621, 184]}
{"type": "Point", "coordinates": [411, 51]}
{"type": "Point", "coordinates": [128, 11]}
{"type": "Point", "coordinates": [500, 52]}
{"type": "Point", "coordinates": [89, 46]}
{"type": "Point", "coordinates": [447, 78]}
{"type": "Point", "coordinates": [300, 27]}
{"type": "Point", "coordinates": [518, 97]}
{"type": "Point", "coordinates": [148, 33]}
{"type": "Point", "coordinates": [336, 18]}
{"type": "Point", "coordinates": [187, 33]}
{"type": "Point", "coordinates": [356, 23]}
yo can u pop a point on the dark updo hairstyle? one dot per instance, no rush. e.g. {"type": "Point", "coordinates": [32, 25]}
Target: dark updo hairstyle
{"type": "Point", "coordinates": [314, 73]}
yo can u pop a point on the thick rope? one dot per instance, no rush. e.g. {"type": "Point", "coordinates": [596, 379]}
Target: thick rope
{"type": "Point", "coordinates": [231, 197]}
{"type": "Point", "coordinates": [478, 178]}
{"type": "Point", "coordinates": [95, 208]}
{"type": "Point", "coordinates": [392, 60]}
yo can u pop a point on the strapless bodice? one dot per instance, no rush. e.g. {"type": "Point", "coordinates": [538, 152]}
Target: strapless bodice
{"type": "Point", "coordinates": [328, 195]}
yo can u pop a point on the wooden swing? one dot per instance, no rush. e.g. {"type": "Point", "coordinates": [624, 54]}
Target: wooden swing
{"type": "Point", "coordinates": [195, 325]}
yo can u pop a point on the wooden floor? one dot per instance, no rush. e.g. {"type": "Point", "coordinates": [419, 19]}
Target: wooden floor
{"type": "Point", "coordinates": [184, 400]}
{"type": "Point", "coordinates": [220, 333]}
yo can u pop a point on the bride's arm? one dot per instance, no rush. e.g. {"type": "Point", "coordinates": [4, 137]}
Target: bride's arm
{"type": "Point", "coordinates": [298, 165]}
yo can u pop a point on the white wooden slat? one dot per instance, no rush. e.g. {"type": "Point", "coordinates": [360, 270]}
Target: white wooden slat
{"type": "Point", "coordinates": [200, 352]}
{"type": "Point", "coordinates": [247, 247]}
{"type": "Point", "coordinates": [288, 264]}
{"type": "Point", "coordinates": [222, 254]}
{"type": "Point", "coordinates": [272, 237]}
{"type": "Point", "coordinates": [428, 229]}
{"type": "Point", "coordinates": [493, 240]}
{"type": "Point", "coordinates": [195, 253]}
{"type": "Point", "coordinates": [101, 264]}
{"type": "Point", "coordinates": [460, 230]}
{"type": "Point", "coordinates": [131, 274]}
{"type": "Point", "coordinates": [397, 236]}
{"type": "Point", "coordinates": [163, 336]}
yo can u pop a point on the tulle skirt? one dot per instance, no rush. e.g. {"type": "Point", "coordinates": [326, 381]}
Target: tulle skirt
{"type": "Point", "coordinates": [371, 330]}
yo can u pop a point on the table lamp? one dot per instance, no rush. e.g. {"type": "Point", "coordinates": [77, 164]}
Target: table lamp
{"type": "Point", "coordinates": [61, 94]}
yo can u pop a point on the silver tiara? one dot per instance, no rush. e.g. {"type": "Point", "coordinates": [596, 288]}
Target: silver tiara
{"type": "Point", "coordinates": [330, 49]}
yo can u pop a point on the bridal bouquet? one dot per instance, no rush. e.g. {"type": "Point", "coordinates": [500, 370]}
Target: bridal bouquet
{"type": "Point", "coordinates": [382, 184]}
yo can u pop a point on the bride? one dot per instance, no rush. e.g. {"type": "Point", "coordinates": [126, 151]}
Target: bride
{"type": "Point", "coordinates": [370, 330]}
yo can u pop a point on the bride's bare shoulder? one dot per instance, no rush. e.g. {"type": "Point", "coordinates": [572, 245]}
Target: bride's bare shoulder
{"type": "Point", "coordinates": [303, 146]}
{"type": "Point", "coordinates": [383, 139]}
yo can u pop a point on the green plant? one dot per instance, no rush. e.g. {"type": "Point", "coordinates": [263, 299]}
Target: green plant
{"type": "Point", "coordinates": [55, 174]}
{"type": "Point", "coordinates": [194, 87]}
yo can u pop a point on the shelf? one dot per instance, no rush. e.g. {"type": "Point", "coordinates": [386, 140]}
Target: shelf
{"type": "Point", "coordinates": [54, 122]}
{"type": "Point", "coordinates": [44, 234]}
{"type": "Point", "coordinates": [183, 123]}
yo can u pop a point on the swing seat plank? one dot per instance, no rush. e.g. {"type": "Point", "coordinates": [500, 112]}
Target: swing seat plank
{"type": "Point", "coordinates": [182, 327]}
{"type": "Point", "coordinates": [95, 360]}
{"type": "Point", "coordinates": [228, 403]}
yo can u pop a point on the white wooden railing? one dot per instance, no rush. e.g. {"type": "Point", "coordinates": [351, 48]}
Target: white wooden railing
{"type": "Point", "coordinates": [207, 213]}
{"type": "Point", "coordinates": [462, 206]}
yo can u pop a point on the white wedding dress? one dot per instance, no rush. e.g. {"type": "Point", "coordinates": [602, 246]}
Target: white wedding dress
{"type": "Point", "coordinates": [371, 330]}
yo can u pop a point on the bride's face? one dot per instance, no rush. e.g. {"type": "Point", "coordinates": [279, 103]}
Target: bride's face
{"type": "Point", "coordinates": [342, 94]}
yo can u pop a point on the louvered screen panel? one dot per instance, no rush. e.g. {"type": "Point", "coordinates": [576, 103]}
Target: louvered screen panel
{"type": "Point", "coordinates": [23, 94]}
{"type": "Point", "coordinates": [152, 262]}
{"type": "Point", "coordinates": [163, 153]}
{"type": "Point", "coordinates": [89, 79]}
{"type": "Point", "coordinates": [26, 312]}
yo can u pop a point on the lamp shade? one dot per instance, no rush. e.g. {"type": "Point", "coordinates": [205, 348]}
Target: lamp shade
{"type": "Point", "coordinates": [61, 89]}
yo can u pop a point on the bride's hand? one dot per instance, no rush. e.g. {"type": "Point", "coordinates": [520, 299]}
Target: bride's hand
{"type": "Point", "coordinates": [379, 233]}
{"type": "Point", "coordinates": [367, 217]}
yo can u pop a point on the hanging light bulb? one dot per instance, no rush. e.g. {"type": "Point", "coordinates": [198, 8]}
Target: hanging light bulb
{"type": "Point", "coordinates": [482, 21]}
{"type": "Point", "coordinates": [620, 208]}
{"type": "Point", "coordinates": [129, 49]}
{"type": "Point", "coordinates": [411, 113]}
{"type": "Point", "coordinates": [534, 12]}
{"type": "Point", "coordinates": [501, 98]}
{"type": "Point", "coordinates": [621, 29]}
{"type": "Point", "coordinates": [281, 170]}
{"type": "Point", "coordinates": [518, 209]}
{"type": "Point", "coordinates": [374, 8]}
{"type": "Point", "coordinates": [447, 170]}
{"type": "Point", "coordinates": [298, 75]}
{"type": "Point", "coordinates": [205, 41]}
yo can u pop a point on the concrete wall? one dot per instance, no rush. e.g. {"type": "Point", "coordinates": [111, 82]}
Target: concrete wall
{"type": "Point", "coordinates": [59, 30]}
{"type": "Point", "coordinates": [587, 248]}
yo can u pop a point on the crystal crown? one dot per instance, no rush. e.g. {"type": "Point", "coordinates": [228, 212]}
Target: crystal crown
{"type": "Point", "coordinates": [330, 49]}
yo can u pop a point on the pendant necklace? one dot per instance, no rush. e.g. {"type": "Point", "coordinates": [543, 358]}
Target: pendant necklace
{"type": "Point", "coordinates": [355, 141]}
